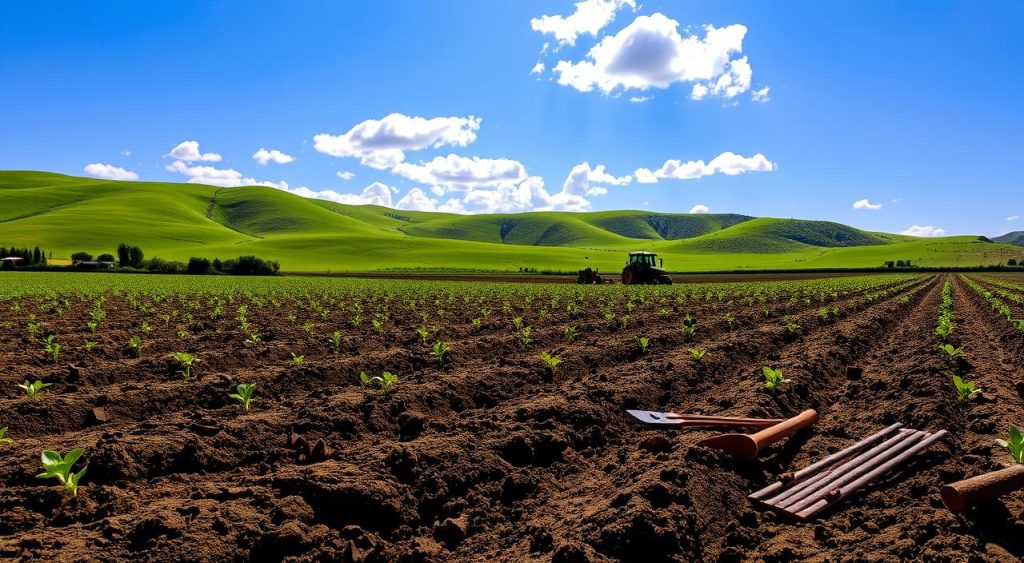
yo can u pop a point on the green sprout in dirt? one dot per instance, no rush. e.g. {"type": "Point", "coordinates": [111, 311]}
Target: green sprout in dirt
{"type": "Point", "coordinates": [335, 341]}
{"type": "Point", "coordinates": [477, 324]}
{"type": "Point", "coordinates": [57, 467]}
{"type": "Point", "coordinates": [135, 346]}
{"type": "Point", "coordinates": [146, 328]}
{"type": "Point", "coordinates": [297, 359]}
{"type": "Point", "coordinates": [517, 322]}
{"type": "Point", "coordinates": [378, 325]}
{"type": "Point", "coordinates": [423, 333]}
{"type": "Point", "coordinates": [792, 329]}
{"type": "Point", "coordinates": [730, 319]}
{"type": "Point", "coordinates": [32, 389]}
{"type": "Point", "coordinates": [52, 348]}
{"type": "Point", "coordinates": [243, 394]}
{"type": "Point", "coordinates": [253, 340]}
{"type": "Point", "coordinates": [442, 353]}
{"type": "Point", "coordinates": [4, 440]}
{"type": "Point", "coordinates": [965, 390]}
{"type": "Point", "coordinates": [689, 326]}
{"type": "Point", "coordinates": [570, 333]}
{"type": "Point", "coordinates": [773, 378]}
{"type": "Point", "coordinates": [1015, 445]}
{"type": "Point", "coordinates": [35, 328]}
{"type": "Point", "coordinates": [551, 361]}
{"type": "Point", "coordinates": [944, 329]}
{"type": "Point", "coordinates": [185, 360]}
{"type": "Point", "coordinates": [524, 336]}
{"type": "Point", "coordinates": [644, 343]}
{"type": "Point", "coordinates": [698, 353]}
{"type": "Point", "coordinates": [307, 326]}
{"type": "Point", "coordinates": [92, 325]}
{"type": "Point", "coordinates": [951, 351]}
{"type": "Point", "coordinates": [383, 382]}
{"type": "Point", "coordinates": [89, 345]}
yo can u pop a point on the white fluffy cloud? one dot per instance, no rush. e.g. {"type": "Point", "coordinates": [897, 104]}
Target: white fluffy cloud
{"type": "Point", "coordinates": [188, 151]}
{"type": "Point", "coordinates": [223, 177]}
{"type": "Point", "coordinates": [460, 173]}
{"type": "Point", "coordinates": [381, 144]}
{"type": "Point", "coordinates": [650, 53]}
{"type": "Point", "coordinates": [727, 163]}
{"type": "Point", "coordinates": [1013, 218]}
{"type": "Point", "coordinates": [374, 194]}
{"type": "Point", "coordinates": [346, 175]}
{"type": "Point", "coordinates": [865, 204]}
{"type": "Point", "coordinates": [700, 208]}
{"type": "Point", "coordinates": [581, 180]}
{"type": "Point", "coordinates": [760, 95]}
{"type": "Point", "coordinates": [591, 16]}
{"type": "Point", "coordinates": [538, 68]}
{"type": "Point", "coordinates": [109, 172]}
{"type": "Point", "coordinates": [640, 99]}
{"type": "Point", "coordinates": [263, 157]}
{"type": "Point", "coordinates": [416, 200]}
{"type": "Point", "coordinates": [924, 231]}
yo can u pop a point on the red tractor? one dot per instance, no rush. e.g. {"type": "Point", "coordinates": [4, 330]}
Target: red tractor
{"type": "Point", "coordinates": [642, 269]}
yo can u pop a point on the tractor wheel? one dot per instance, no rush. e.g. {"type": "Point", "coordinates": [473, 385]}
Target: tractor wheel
{"type": "Point", "coordinates": [628, 277]}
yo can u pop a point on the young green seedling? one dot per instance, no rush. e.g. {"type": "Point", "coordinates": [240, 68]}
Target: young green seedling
{"type": "Point", "coordinates": [4, 440]}
{"type": "Point", "coordinates": [243, 394]}
{"type": "Point", "coordinates": [33, 389]}
{"type": "Point", "coordinates": [1015, 445]}
{"type": "Point", "coordinates": [423, 333]}
{"type": "Point", "coordinates": [89, 345]}
{"type": "Point", "coordinates": [644, 343]}
{"type": "Point", "coordinates": [185, 360]}
{"type": "Point", "coordinates": [570, 333]}
{"type": "Point", "coordinates": [551, 361]}
{"type": "Point", "coordinates": [441, 353]}
{"type": "Point", "coordinates": [335, 341]}
{"type": "Point", "coordinates": [383, 382]}
{"type": "Point", "coordinates": [524, 336]}
{"type": "Point", "coordinates": [253, 340]}
{"type": "Point", "coordinates": [57, 467]}
{"type": "Point", "coordinates": [730, 319]}
{"type": "Point", "coordinates": [773, 378]}
{"type": "Point", "coordinates": [952, 352]}
{"type": "Point", "coordinates": [135, 346]}
{"type": "Point", "coordinates": [965, 390]}
{"type": "Point", "coordinates": [297, 359]}
{"type": "Point", "coordinates": [52, 348]}
{"type": "Point", "coordinates": [698, 353]}
{"type": "Point", "coordinates": [689, 326]}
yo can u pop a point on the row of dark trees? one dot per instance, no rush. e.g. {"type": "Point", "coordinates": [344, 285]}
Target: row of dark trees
{"type": "Point", "coordinates": [133, 258]}
{"type": "Point", "coordinates": [29, 256]}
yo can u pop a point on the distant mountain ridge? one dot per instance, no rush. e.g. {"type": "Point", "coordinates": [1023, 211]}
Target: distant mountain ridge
{"type": "Point", "coordinates": [65, 214]}
{"type": "Point", "coordinates": [1015, 238]}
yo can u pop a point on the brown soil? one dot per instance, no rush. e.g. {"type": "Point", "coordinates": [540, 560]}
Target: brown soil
{"type": "Point", "coordinates": [492, 457]}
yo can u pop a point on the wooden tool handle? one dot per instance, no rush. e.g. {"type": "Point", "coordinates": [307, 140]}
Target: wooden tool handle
{"type": "Point", "coordinates": [784, 429]}
{"type": "Point", "coordinates": [958, 496]}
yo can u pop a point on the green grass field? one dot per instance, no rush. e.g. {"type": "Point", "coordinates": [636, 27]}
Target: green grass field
{"type": "Point", "coordinates": [65, 214]}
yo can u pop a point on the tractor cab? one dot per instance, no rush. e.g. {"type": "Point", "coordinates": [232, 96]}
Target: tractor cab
{"type": "Point", "coordinates": [643, 258]}
{"type": "Point", "coordinates": [644, 268]}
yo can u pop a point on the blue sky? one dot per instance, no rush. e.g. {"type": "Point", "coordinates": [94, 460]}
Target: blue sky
{"type": "Point", "coordinates": [785, 109]}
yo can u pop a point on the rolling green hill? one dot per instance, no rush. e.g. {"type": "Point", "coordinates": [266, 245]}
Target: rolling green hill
{"type": "Point", "coordinates": [1015, 238]}
{"type": "Point", "coordinates": [65, 214]}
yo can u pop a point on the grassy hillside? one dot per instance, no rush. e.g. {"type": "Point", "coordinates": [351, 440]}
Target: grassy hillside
{"type": "Point", "coordinates": [175, 221]}
{"type": "Point", "coordinates": [1015, 238]}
